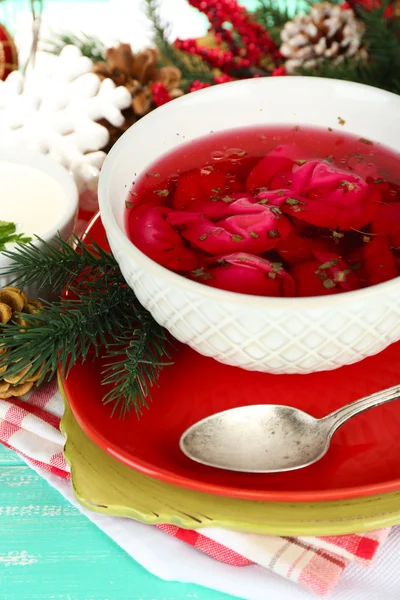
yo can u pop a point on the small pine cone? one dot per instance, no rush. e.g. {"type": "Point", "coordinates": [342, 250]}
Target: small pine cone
{"type": "Point", "coordinates": [328, 32]}
{"type": "Point", "coordinates": [138, 73]}
{"type": "Point", "coordinates": [13, 305]}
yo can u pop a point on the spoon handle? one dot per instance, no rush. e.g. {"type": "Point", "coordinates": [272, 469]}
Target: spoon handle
{"type": "Point", "coordinates": [340, 416]}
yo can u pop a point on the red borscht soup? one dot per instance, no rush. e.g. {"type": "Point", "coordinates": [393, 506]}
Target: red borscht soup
{"type": "Point", "coordinates": [282, 211]}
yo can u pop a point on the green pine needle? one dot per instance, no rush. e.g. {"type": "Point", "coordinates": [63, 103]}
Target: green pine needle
{"type": "Point", "coordinates": [135, 361]}
{"type": "Point", "coordinates": [89, 45]}
{"type": "Point", "coordinates": [102, 317]}
{"type": "Point", "coordinates": [272, 15]}
{"type": "Point", "coordinates": [64, 332]}
{"type": "Point", "coordinates": [191, 67]}
{"type": "Point", "coordinates": [59, 264]}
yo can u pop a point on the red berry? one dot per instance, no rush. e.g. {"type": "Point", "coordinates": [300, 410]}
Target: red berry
{"type": "Point", "coordinates": [160, 94]}
{"type": "Point", "coordinates": [198, 85]}
{"type": "Point", "coordinates": [278, 72]}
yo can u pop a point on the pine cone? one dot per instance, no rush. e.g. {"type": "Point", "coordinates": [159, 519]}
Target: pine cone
{"type": "Point", "coordinates": [137, 73]}
{"type": "Point", "coordinates": [328, 32]}
{"type": "Point", "coordinates": [12, 301]}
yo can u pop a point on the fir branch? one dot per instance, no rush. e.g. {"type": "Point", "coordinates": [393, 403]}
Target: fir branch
{"type": "Point", "coordinates": [104, 317]}
{"type": "Point", "coordinates": [64, 331]}
{"type": "Point", "coordinates": [137, 359]}
{"type": "Point", "coordinates": [89, 45]}
{"type": "Point", "coordinates": [71, 331]}
{"type": "Point", "coordinates": [382, 39]}
{"type": "Point", "coordinates": [54, 266]}
{"type": "Point", "coordinates": [160, 32]}
{"type": "Point", "coordinates": [272, 15]}
{"type": "Point", "coordinates": [348, 70]}
{"type": "Point", "coordinates": [191, 67]}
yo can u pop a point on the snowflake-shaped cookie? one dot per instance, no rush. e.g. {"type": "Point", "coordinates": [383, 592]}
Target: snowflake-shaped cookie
{"type": "Point", "coordinates": [54, 109]}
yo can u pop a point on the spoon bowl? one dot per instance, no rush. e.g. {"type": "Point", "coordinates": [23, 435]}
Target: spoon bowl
{"type": "Point", "coordinates": [256, 439]}
{"type": "Point", "coordinates": [269, 438]}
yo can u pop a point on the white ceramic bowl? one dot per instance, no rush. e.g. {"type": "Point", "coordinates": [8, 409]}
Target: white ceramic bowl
{"type": "Point", "coordinates": [66, 221]}
{"type": "Point", "coordinates": [277, 335]}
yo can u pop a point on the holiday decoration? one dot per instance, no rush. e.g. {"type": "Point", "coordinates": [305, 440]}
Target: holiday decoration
{"type": "Point", "coordinates": [243, 49]}
{"type": "Point", "coordinates": [75, 105]}
{"type": "Point", "coordinates": [327, 32]}
{"type": "Point", "coordinates": [358, 40]}
{"type": "Point", "coordinates": [148, 85]}
{"type": "Point", "coordinates": [8, 53]}
{"type": "Point", "coordinates": [331, 44]}
{"type": "Point", "coordinates": [55, 109]}
{"type": "Point", "coordinates": [14, 305]}
{"type": "Point", "coordinates": [101, 316]}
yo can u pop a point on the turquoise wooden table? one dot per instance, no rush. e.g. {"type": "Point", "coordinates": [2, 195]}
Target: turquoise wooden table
{"type": "Point", "coordinates": [48, 549]}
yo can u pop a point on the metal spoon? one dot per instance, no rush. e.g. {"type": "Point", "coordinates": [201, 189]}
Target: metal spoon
{"type": "Point", "coordinates": [269, 438]}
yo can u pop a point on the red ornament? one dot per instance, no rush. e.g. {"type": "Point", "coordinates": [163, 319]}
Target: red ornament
{"type": "Point", "coordinates": [8, 53]}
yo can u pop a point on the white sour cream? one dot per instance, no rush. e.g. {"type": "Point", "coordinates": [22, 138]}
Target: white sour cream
{"type": "Point", "coordinates": [30, 198]}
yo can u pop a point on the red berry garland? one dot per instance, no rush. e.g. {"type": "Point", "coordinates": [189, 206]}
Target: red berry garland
{"type": "Point", "coordinates": [256, 40]}
{"type": "Point", "coordinates": [241, 46]}
{"type": "Point", "coordinates": [8, 53]}
{"type": "Point", "coordinates": [217, 58]}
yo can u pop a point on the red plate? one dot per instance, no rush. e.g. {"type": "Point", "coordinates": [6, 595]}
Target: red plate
{"type": "Point", "coordinates": [364, 455]}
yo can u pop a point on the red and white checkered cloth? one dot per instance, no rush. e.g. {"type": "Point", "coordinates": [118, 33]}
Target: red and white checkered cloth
{"type": "Point", "coordinates": [31, 427]}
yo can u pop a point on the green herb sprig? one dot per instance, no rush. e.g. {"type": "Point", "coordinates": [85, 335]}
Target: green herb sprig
{"type": "Point", "coordinates": [9, 235]}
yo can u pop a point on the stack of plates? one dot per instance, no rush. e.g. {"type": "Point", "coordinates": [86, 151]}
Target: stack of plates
{"type": "Point", "coordinates": [130, 467]}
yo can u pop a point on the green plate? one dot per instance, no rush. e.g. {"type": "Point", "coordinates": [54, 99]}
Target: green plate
{"type": "Point", "coordinates": [104, 485]}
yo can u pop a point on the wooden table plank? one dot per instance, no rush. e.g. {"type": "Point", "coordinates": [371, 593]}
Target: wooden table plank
{"type": "Point", "coordinates": [8, 457]}
{"type": "Point", "coordinates": [48, 549]}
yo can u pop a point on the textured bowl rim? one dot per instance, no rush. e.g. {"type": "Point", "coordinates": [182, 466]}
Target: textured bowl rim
{"type": "Point", "coordinates": [197, 288]}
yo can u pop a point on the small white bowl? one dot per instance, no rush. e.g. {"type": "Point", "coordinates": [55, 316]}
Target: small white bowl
{"type": "Point", "coordinates": [277, 335]}
{"type": "Point", "coordinates": [66, 221]}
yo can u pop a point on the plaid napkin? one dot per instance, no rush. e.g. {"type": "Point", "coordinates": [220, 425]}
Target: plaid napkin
{"type": "Point", "coordinates": [31, 427]}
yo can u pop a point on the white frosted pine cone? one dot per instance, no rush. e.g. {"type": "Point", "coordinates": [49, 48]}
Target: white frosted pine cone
{"type": "Point", "coordinates": [327, 32]}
